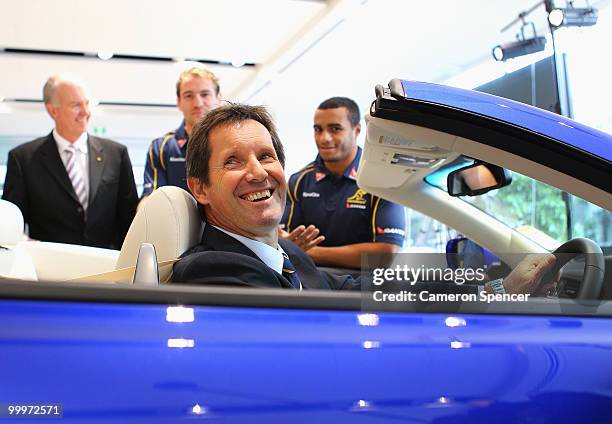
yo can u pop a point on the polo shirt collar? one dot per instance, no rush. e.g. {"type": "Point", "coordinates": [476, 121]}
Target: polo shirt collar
{"type": "Point", "coordinates": [181, 134]}
{"type": "Point", "coordinates": [350, 172]}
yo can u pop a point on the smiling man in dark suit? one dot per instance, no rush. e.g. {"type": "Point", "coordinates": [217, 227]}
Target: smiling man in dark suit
{"type": "Point", "coordinates": [235, 164]}
{"type": "Point", "coordinates": [235, 170]}
{"type": "Point", "coordinates": [72, 187]}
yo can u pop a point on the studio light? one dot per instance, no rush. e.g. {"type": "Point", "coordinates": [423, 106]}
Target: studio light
{"type": "Point", "coordinates": [519, 48]}
{"type": "Point", "coordinates": [572, 16]}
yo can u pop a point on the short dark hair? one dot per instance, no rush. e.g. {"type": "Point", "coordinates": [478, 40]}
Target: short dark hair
{"type": "Point", "coordinates": [198, 148]}
{"type": "Point", "coordinates": [350, 105]}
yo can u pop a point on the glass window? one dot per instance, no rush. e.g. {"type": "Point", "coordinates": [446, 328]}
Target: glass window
{"type": "Point", "coordinates": [543, 213]}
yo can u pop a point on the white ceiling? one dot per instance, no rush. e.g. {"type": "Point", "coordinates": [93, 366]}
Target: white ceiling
{"type": "Point", "coordinates": [427, 40]}
{"type": "Point", "coordinates": [218, 29]}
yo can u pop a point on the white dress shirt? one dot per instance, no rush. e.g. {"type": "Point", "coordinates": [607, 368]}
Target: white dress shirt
{"type": "Point", "coordinates": [81, 150]}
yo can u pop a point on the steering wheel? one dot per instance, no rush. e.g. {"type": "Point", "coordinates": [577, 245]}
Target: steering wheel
{"type": "Point", "coordinates": [594, 266]}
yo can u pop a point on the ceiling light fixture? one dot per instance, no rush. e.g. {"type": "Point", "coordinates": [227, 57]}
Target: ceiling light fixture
{"type": "Point", "coordinates": [105, 54]}
{"type": "Point", "coordinates": [522, 46]}
{"type": "Point", "coordinates": [518, 48]}
{"type": "Point", "coordinates": [572, 16]}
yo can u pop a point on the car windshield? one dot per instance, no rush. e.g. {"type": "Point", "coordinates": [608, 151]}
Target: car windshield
{"type": "Point", "coordinates": [543, 213]}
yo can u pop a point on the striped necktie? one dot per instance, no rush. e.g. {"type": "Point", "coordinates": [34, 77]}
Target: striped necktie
{"type": "Point", "coordinates": [75, 173]}
{"type": "Point", "coordinates": [290, 273]}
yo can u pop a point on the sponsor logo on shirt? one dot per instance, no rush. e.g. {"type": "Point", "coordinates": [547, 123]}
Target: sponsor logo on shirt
{"type": "Point", "coordinates": [398, 231]}
{"type": "Point", "coordinates": [319, 176]}
{"type": "Point", "coordinates": [354, 206]}
{"type": "Point", "coordinates": [310, 194]}
{"type": "Point", "coordinates": [353, 174]}
{"type": "Point", "coordinates": [176, 159]}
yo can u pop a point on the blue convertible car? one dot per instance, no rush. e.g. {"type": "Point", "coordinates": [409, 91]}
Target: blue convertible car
{"type": "Point", "coordinates": [100, 348]}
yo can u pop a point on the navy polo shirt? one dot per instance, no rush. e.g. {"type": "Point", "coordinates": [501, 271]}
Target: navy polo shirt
{"type": "Point", "coordinates": [165, 163]}
{"type": "Point", "coordinates": [343, 212]}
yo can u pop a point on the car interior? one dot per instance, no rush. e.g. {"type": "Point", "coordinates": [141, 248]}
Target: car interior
{"type": "Point", "coordinates": [398, 158]}
{"type": "Point", "coordinates": [181, 229]}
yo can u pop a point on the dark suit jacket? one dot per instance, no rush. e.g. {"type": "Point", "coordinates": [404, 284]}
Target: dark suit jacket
{"type": "Point", "coordinates": [37, 182]}
{"type": "Point", "coordinates": [222, 260]}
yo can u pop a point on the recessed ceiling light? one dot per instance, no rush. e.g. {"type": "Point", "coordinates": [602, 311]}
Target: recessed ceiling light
{"type": "Point", "coordinates": [105, 54]}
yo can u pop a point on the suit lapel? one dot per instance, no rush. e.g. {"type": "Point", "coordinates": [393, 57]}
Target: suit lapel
{"type": "Point", "coordinates": [215, 239]}
{"type": "Point", "coordinates": [53, 162]}
{"type": "Point", "coordinates": [96, 165]}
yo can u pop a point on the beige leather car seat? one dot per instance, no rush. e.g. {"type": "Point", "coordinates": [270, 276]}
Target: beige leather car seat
{"type": "Point", "coordinates": [170, 221]}
{"type": "Point", "coordinates": [15, 261]}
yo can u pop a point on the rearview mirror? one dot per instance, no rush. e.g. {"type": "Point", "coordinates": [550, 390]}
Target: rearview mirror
{"type": "Point", "coordinates": [476, 179]}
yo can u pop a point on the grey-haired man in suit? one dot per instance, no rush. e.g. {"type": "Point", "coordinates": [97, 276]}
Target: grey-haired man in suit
{"type": "Point", "coordinates": [72, 187]}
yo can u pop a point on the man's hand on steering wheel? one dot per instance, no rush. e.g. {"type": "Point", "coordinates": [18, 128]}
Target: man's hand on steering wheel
{"type": "Point", "coordinates": [525, 277]}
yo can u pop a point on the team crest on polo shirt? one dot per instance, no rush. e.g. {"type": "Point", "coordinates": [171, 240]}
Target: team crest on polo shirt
{"type": "Point", "coordinates": [353, 174]}
{"type": "Point", "coordinates": [319, 176]}
{"type": "Point", "coordinates": [357, 200]}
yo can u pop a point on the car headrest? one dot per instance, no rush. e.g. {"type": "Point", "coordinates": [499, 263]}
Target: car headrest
{"type": "Point", "coordinates": [11, 223]}
{"type": "Point", "coordinates": [168, 219]}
